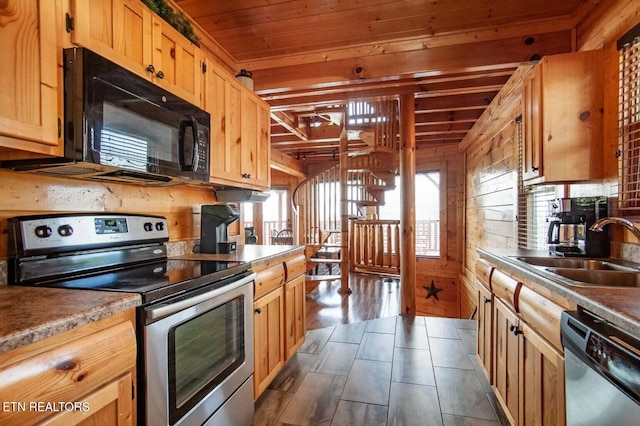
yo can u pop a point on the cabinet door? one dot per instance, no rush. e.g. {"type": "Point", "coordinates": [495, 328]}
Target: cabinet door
{"type": "Point", "coordinates": [222, 101]}
{"type": "Point", "coordinates": [506, 358]}
{"type": "Point", "coordinates": [542, 399]}
{"type": "Point", "coordinates": [263, 166]}
{"type": "Point", "coordinates": [111, 405]}
{"type": "Point", "coordinates": [532, 143]}
{"type": "Point", "coordinates": [572, 104]}
{"type": "Point", "coordinates": [250, 136]}
{"type": "Point", "coordinates": [177, 62]}
{"type": "Point", "coordinates": [29, 77]}
{"type": "Point", "coordinates": [485, 330]}
{"type": "Point", "coordinates": [268, 325]}
{"type": "Point", "coordinates": [119, 30]}
{"type": "Point", "coordinates": [294, 314]}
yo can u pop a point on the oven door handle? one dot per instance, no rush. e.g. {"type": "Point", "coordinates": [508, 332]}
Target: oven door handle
{"type": "Point", "coordinates": [172, 308]}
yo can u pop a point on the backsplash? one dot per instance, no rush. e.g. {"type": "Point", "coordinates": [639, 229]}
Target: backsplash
{"type": "Point", "coordinates": [625, 251]}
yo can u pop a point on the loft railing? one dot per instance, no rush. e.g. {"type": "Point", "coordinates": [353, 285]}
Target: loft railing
{"type": "Point", "coordinates": [375, 246]}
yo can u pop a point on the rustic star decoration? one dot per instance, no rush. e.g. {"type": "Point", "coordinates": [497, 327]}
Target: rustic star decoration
{"type": "Point", "coordinates": [432, 290]}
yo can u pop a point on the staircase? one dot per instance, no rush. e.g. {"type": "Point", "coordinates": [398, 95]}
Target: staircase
{"type": "Point", "coordinates": [371, 172]}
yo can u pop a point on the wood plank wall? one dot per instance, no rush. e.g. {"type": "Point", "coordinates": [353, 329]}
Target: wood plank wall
{"type": "Point", "coordinates": [27, 194]}
{"type": "Point", "coordinates": [490, 162]}
{"type": "Point", "coordinates": [444, 272]}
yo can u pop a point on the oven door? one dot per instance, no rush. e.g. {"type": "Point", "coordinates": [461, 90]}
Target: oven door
{"type": "Point", "coordinates": [198, 350]}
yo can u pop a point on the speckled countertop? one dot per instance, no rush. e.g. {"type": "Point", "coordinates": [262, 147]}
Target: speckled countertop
{"type": "Point", "coordinates": [30, 314]}
{"type": "Point", "coordinates": [254, 254]}
{"type": "Point", "coordinates": [620, 306]}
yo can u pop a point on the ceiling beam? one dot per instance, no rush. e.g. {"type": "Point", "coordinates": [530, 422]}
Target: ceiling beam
{"type": "Point", "coordinates": [462, 57]}
{"type": "Point", "coordinates": [289, 123]}
{"type": "Point", "coordinates": [408, 44]}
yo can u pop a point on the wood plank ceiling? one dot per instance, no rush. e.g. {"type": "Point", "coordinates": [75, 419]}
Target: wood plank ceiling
{"type": "Point", "coordinates": [310, 58]}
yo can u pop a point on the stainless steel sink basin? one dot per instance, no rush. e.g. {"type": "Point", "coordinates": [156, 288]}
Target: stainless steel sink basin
{"type": "Point", "coordinates": [603, 278]}
{"type": "Point", "coordinates": [580, 263]}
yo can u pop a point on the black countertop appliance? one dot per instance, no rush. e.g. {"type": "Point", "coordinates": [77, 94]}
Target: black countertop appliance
{"type": "Point", "coordinates": [214, 236]}
{"type": "Point", "coordinates": [569, 223]}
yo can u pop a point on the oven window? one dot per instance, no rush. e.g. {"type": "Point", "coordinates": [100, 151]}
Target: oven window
{"type": "Point", "coordinates": [203, 351]}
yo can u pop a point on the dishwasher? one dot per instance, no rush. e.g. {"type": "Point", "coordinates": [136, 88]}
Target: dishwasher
{"type": "Point", "coordinates": [602, 372]}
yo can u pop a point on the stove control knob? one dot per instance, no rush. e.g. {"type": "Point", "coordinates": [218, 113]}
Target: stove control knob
{"type": "Point", "coordinates": [43, 231]}
{"type": "Point", "coordinates": [148, 226]}
{"type": "Point", "coordinates": [65, 230]}
{"type": "Point", "coordinates": [159, 226]}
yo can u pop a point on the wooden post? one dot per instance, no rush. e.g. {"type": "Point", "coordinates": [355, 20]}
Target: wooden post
{"type": "Point", "coordinates": [407, 205]}
{"type": "Point", "coordinates": [344, 212]}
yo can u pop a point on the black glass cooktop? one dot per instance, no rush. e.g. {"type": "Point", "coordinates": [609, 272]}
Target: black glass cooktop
{"type": "Point", "coordinates": [155, 281]}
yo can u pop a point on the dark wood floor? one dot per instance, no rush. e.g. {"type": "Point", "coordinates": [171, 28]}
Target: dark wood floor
{"type": "Point", "coordinates": [372, 297]}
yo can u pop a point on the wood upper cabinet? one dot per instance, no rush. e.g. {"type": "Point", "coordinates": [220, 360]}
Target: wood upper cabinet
{"type": "Point", "coordinates": [531, 127]}
{"type": "Point", "coordinates": [177, 62]}
{"type": "Point", "coordinates": [93, 365]}
{"type": "Point", "coordinates": [563, 115]}
{"type": "Point", "coordinates": [29, 77]}
{"type": "Point", "coordinates": [255, 139]}
{"type": "Point", "coordinates": [128, 33]}
{"type": "Point", "coordinates": [240, 123]}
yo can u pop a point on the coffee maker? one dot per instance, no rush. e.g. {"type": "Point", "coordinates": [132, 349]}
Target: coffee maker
{"type": "Point", "coordinates": [569, 223]}
{"type": "Point", "coordinates": [214, 237]}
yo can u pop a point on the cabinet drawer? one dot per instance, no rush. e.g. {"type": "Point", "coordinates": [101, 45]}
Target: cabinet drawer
{"type": "Point", "coordinates": [67, 372]}
{"type": "Point", "coordinates": [268, 279]}
{"type": "Point", "coordinates": [541, 314]}
{"type": "Point", "coordinates": [504, 287]}
{"type": "Point", "coordinates": [295, 267]}
{"type": "Point", "coordinates": [483, 273]}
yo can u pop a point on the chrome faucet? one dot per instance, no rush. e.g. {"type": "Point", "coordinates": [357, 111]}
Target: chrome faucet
{"type": "Point", "coordinates": [600, 224]}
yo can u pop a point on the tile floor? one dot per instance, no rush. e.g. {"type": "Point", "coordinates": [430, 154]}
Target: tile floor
{"type": "Point", "coordinates": [386, 371]}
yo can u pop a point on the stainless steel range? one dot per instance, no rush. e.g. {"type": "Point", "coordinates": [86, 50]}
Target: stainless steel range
{"type": "Point", "coordinates": [195, 325]}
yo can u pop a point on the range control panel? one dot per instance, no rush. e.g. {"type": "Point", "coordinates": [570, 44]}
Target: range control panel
{"type": "Point", "coordinates": [63, 233]}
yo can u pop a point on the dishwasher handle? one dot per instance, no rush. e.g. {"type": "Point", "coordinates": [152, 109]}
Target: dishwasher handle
{"type": "Point", "coordinates": [575, 335]}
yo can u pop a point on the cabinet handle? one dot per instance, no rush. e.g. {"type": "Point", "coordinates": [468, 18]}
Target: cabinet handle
{"type": "Point", "coordinates": [486, 300]}
{"type": "Point", "coordinates": [246, 175]}
{"type": "Point", "coordinates": [514, 330]}
{"type": "Point", "coordinates": [160, 75]}
{"type": "Point", "coordinates": [534, 169]}
{"type": "Point", "coordinates": [151, 69]}
{"type": "Point", "coordinates": [259, 311]}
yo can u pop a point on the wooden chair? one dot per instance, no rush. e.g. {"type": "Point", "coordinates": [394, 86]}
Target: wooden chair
{"type": "Point", "coordinates": [284, 237]}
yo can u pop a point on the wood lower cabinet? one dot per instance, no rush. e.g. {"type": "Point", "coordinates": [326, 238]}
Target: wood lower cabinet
{"type": "Point", "coordinates": [541, 381]}
{"type": "Point", "coordinates": [525, 348]}
{"type": "Point", "coordinates": [279, 316]}
{"type": "Point", "coordinates": [29, 76]}
{"type": "Point", "coordinates": [506, 358]}
{"type": "Point", "coordinates": [485, 331]}
{"type": "Point", "coordinates": [268, 329]}
{"type": "Point", "coordinates": [92, 367]}
{"type": "Point", "coordinates": [294, 303]}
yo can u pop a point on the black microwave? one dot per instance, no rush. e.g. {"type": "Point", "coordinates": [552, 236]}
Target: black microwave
{"type": "Point", "coordinates": [119, 126]}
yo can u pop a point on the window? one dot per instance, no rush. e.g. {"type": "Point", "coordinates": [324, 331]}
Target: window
{"type": "Point", "coordinates": [629, 122]}
{"type": "Point", "coordinates": [427, 211]}
{"type": "Point", "coordinates": [275, 215]}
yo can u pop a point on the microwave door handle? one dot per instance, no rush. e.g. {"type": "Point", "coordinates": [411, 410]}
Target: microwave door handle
{"type": "Point", "coordinates": [184, 125]}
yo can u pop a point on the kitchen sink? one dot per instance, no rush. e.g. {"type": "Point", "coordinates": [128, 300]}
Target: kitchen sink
{"type": "Point", "coordinates": [581, 263]}
{"type": "Point", "coordinates": [603, 278]}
